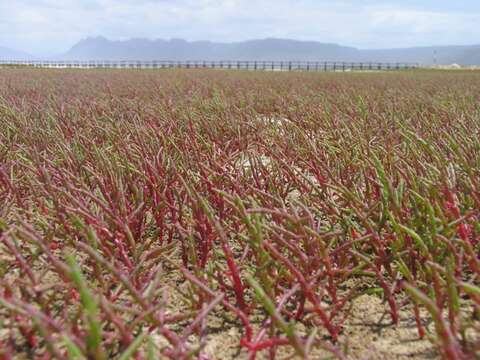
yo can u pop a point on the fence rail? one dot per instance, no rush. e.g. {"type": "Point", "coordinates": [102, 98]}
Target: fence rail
{"type": "Point", "coordinates": [227, 64]}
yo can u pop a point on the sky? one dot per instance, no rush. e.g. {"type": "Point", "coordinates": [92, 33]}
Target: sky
{"type": "Point", "coordinates": [47, 27]}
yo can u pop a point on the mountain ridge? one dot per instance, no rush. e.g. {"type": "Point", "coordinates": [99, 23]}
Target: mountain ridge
{"type": "Point", "coordinates": [7, 53]}
{"type": "Point", "coordinates": [101, 48]}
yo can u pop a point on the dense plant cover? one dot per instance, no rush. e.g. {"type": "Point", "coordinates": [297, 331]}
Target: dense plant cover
{"type": "Point", "coordinates": [140, 209]}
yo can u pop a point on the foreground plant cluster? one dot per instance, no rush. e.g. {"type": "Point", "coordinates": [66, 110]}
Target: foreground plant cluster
{"type": "Point", "coordinates": [144, 213]}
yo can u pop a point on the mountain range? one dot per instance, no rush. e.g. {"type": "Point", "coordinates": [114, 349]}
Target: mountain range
{"type": "Point", "coordinates": [100, 48]}
{"type": "Point", "coordinates": [7, 53]}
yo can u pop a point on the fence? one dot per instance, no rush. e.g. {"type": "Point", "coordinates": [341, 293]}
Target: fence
{"type": "Point", "coordinates": [228, 64]}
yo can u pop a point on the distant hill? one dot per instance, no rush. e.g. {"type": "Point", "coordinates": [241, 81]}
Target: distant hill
{"type": "Point", "coordinates": [100, 48]}
{"type": "Point", "coordinates": [471, 56]}
{"type": "Point", "coordinates": [10, 54]}
{"type": "Point", "coordinates": [444, 55]}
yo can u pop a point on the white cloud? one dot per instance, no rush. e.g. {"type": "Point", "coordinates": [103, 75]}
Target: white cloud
{"type": "Point", "coordinates": [424, 27]}
{"type": "Point", "coordinates": [47, 26]}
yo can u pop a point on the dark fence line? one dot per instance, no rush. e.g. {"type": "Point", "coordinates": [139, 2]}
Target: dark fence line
{"type": "Point", "coordinates": [227, 64]}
